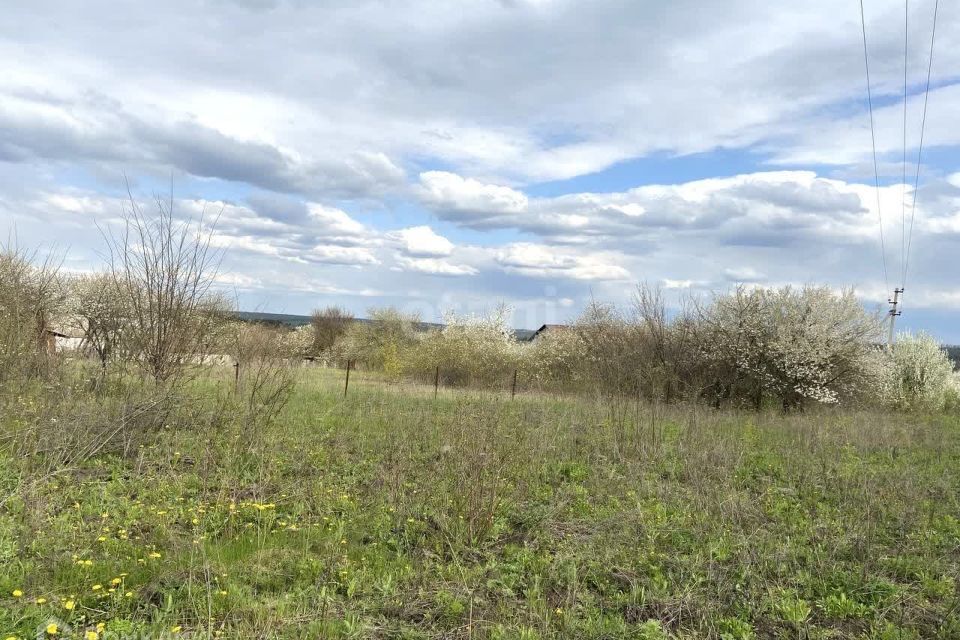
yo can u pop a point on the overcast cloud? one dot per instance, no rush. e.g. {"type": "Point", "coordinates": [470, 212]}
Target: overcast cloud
{"type": "Point", "coordinates": [538, 152]}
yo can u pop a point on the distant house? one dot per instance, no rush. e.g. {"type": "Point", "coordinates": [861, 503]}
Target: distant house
{"type": "Point", "coordinates": [60, 339]}
{"type": "Point", "coordinates": [523, 335]}
{"type": "Point", "coordinates": [548, 328]}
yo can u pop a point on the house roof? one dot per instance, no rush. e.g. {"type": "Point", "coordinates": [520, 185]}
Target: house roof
{"type": "Point", "coordinates": [63, 331]}
{"type": "Point", "coordinates": [548, 327]}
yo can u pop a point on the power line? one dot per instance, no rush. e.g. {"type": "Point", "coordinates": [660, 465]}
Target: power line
{"type": "Point", "coordinates": [873, 141]}
{"type": "Point", "coordinates": [903, 181]}
{"type": "Point", "coordinates": [923, 123]}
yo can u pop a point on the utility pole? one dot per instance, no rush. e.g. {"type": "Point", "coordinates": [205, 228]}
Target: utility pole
{"type": "Point", "coordinates": [893, 313]}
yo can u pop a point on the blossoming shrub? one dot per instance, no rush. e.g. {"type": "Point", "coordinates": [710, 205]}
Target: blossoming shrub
{"type": "Point", "coordinates": [98, 312]}
{"type": "Point", "coordinates": [554, 361]}
{"type": "Point", "coordinates": [469, 350]}
{"type": "Point", "coordinates": [789, 346]}
{"type": "Point", "coordinates": [298, 343]}
{"type": "Point", "coordinates": [952, 396]}
{"type": "Point", "coordinates": [377, 343]}
{"type": "Point", "coordinates": [917, 374]}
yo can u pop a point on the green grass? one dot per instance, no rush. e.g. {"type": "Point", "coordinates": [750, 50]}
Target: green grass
{"type": "Point", "coordinates": [392, 514]}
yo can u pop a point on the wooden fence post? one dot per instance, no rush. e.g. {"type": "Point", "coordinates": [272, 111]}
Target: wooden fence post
{"type": "Point", "coordinates": [513, 389]}
{"type": "Point", "coordinates": [346, 384]}
{"type": "Point", "coordinates": [236, 376]}
{"type": "Point", "coordinates": [436, 381]}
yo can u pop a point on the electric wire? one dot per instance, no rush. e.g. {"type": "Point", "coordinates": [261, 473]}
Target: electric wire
{"type": "Point", "coordinates": [903, 181]}
{"type": "Point", "coordinates": [923, 123]}
{"type": "Point", "coordinates": [873, 141]}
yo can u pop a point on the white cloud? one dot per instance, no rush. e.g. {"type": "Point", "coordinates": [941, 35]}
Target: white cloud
{"type": "Point", "coordinates": [458, 196]}
{"type": "Point", "coordinates": [332, 254]}
{"type": "Point", "coordinates": [765, 206]}
{"type": "Point", "coordinates": [743, 274]}
{"type": "Point", "coordinates": [543, 261]}
{"type": "Point", "coordinates": [334, 220]}
{"type": "Point", "coordinates": [434, 266]}
{"type": "Point", "coordinates": [423, 242]}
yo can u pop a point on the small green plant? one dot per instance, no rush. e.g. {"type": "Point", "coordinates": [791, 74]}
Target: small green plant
{"type": "Point", "coordinates": [736, 629]}
{"type": "Point", "coordinates": [652, 630]}
{"type": "Point", "coordinates": [790, 608]}
{"type": "Point", "coordinates": [838, 605]}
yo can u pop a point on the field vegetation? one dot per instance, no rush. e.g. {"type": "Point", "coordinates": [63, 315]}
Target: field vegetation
{"type": "Point", "coordinates": [753, 466]}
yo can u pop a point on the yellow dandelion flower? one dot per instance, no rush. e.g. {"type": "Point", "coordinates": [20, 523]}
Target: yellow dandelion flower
{"type": "Point", "coordinates": [52, 628]}
{"type": "Point", "coordinates": [69, 605]}
{"type": "Point", "coordinates": [154, 554]}
{"type": "Point", "coordinates": [101, 626]}
{"type": "Point", "coordinates": [97, 587]}
{"type": "Point", "coordinates": [102, 539]}
{"type": "Point", "coordinates": [175, 629]}
{"type": "Point", "coordinates": [116, 581]}
{"type": "Point", "coordinates": [128, 594]}
{"type": "Point", "coordinates": [17, 593]}
{"type": "Point", "coordinates": [90, 635]}
{"type": "Point", "coordinates": [40, 600]}
{"type": "Point", "coordinates": [11, 638]}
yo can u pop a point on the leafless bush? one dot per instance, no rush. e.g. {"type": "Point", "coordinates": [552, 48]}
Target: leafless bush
{"type": "Point", "coordinates": [328, 325]}
{"type": "Point", "coordinates": [31, 295]}
{"type": "Point", "coordinates": [666, 350]}
{"type": "Point", "coordinates": [165, 269]}
{"type": "Point", "coordinates": [378, 343]}
{"type": "Point", "coordinates": [609, 361]}
{"type": "Point", "coordinates": [263, 377]}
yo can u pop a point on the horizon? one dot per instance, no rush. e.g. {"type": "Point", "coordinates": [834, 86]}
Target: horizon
{"type": "Point", "coordinates": [539, 153]}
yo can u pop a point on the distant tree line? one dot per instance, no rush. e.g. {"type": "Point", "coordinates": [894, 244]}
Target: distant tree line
{"type": "Point", "coordinates": [750, 347]}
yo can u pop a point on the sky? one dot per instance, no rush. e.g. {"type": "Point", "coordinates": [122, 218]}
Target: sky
{"type": "Point", "coordinates": [452, 156]}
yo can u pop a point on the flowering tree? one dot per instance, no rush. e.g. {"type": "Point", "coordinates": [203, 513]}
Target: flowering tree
{"type": "Point", "coordinates": [99, 311]}
{"type": "Point", "coordinates": [788, 345]}
{"type": "Point", "coordinates": [917, 373]}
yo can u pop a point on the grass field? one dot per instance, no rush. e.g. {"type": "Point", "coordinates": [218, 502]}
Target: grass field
{"type": "Point", "coordinates": [392, 514]}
